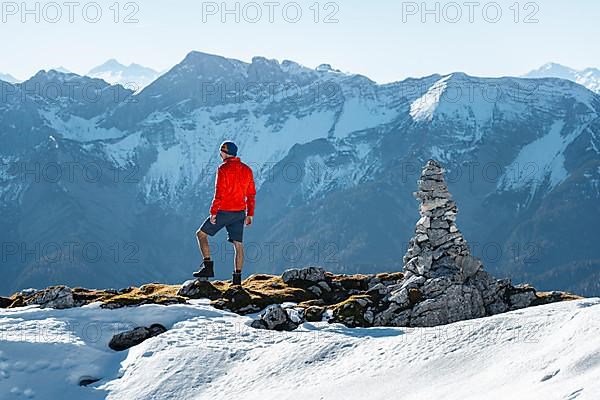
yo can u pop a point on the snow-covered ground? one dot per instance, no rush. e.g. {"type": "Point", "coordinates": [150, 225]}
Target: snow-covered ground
{"type": "Point", "coordinates": [547, 352]}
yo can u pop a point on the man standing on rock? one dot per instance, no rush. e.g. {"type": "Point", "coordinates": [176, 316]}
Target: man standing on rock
{"type": "Point", "coordinates": [232, 208]}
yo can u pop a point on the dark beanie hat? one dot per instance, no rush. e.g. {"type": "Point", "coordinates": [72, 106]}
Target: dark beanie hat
{"type": "Point", "coordinates": [229, 148]}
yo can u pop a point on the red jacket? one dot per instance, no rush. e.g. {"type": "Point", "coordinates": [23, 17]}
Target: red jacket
{"type": "Point", "coordinates": [234, 188]}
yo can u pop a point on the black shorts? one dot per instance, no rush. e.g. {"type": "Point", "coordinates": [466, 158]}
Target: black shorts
{"type": "Point", "coordinates": [233, 221]}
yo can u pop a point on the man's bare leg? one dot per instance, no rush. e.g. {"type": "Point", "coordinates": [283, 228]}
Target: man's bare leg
{"type": "Point", "coordinates": [203, 244]}
{"type": "Point", "coordinates": [239, 256]}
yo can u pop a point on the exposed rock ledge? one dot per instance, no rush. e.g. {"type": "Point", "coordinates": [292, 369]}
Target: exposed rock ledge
{"type": "Point", "coordinates": [353, 300]}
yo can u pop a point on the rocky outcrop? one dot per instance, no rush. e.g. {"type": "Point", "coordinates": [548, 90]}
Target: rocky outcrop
{"type": "Point", "coordinates": [152, 293]}
{"type": "Point", "coordinates": [308, 276]}
{"type": "Point", "coordinates": [195, 289]}
{"type": "Point", "coordinates": [444, 282]}
{"type": "Point", "coordinates": [275, 317]}
{"type": "Point", "coordinates": [59, 297]}
{"type": "Point", "coordinates": [5, 302]}
{"type": "Point", "coordinates": [126, 340]}
{"type": "Point", "coordinates": [386, 299]}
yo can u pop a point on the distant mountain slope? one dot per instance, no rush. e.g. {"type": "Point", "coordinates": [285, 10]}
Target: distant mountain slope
{"type": "Point", "coordinates": [134, 76]}
{"type": "Point", "coordinates": [336, 158]}
{"type": "Point", "coordinates": [589, 77]}
{"type": "Point", "coordinates": [8, 78]}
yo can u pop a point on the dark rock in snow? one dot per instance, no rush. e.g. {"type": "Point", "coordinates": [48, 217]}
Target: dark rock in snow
{"type": "Point", "coordinates": [274, 317]}
{"type": "Point", "coordinates": [5, 302]}
{"type": "Point", "coordinates": [195, 289]}
{"type": "Point", "coordinates": [126, 340]}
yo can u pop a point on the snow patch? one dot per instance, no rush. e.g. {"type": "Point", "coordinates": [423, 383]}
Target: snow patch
{"type": "Point", "coordinates": [77, 128]}
{"type": "Point", "coordinates": [423, 108]}
{"type": "Point", "coordinates": [539, 161]}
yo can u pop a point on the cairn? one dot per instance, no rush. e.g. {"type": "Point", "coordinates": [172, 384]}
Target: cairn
{"type": "Point", "coordinates": [438, 248]}
{"type": "Point", "coordinates": [443, 282]}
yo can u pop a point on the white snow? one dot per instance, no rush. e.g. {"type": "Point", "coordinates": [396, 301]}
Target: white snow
{"type": "Point", "coordinates": [77, 128]}
{"type": "Point", "coordinates": [546, 352]}
{"type": "Point", "coordinates": [540, 160]}
{"type": "Point", "coordinates": [423, 108]}
{"type": "Point", "coordinates": [122, 152]}
{"type": "Point", "coordinates": [361, 114]}
{"type": "Point", "coordinates": [191, 156]}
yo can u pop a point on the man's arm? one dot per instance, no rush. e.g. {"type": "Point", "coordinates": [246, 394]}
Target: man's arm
{"type": "Point", "coordinates": [218, 198]}
{"type": "Point", "coordinates": [250, 195]}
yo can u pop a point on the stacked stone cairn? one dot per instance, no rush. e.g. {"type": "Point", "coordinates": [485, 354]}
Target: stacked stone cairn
{"type": "Point", "coordinates": [443, 282]}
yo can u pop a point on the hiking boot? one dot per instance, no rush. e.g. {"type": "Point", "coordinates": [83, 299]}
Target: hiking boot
{"type": "Point", "coordinates": [206, 270]}
{"type": "Point", "coordinates": [237, 279]}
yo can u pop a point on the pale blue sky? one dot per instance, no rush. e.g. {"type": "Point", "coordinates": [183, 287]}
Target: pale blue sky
{"type": "Point", "coordinates": [370, 37]}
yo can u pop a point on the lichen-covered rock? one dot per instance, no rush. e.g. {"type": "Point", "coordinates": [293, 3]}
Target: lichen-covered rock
{"type": "Point", "coordinates": [314, 313]}
{"type": "Point", "coordinates": [316, 290]}
{"type": "Point", "coordinates": [457, 303]}
{"type": "Point", "coordinates": [59, 297]}
{"type": "Point", "coordinates": [358, 282]}
{"type": "Point", "coordinates": [393, 315]}
{"type": "Point", "coordinates": [234, 299]}
{"type": "Point", "coordinates": [400, 298]}
{"type": "Point", "coordinates": [308, 275]}
{"type": "Point", "coordinates": [126, 340]}
{"type": "Point", "coordinates": [469, 266]}
{"type": "Point", "coordinates": [152, 293]}
{"type": "Point", "coordinates": [295, 314]}
{"type": "Point", "coordinates": [274, 317]}
{"type": "Point", "coordinates": [195, 289]}
{"type": "Point", "coordinates": [435, 287]}
{"type": "Point", "coordinates": [354, 311]}
{"type": "Point", "coordinates": [521, 296]}
{"type": "Point", "coordinates": [378, 291]}
{"type": "Point", "coordinates": [386, 279]}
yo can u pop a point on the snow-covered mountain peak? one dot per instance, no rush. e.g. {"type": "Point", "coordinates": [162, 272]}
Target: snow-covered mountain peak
{"type": "Point", "coordinates": [552, 69]}
{"type": "Point", "coordinates": [110, 64]}
{"type": "Point", "coordinates": [55, 75]}
{"type": "Point", "coordinates": [206, 68]}
{"type": "Point", "coordinates": [589, 77]}
{"type": "Point", "coordinates": [8, 78]}
{"type": "Point", "coordinates": [134, 76]}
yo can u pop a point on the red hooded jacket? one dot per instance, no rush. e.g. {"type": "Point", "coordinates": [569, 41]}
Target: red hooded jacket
{"type": "Point", "coordinates": [234, 188]}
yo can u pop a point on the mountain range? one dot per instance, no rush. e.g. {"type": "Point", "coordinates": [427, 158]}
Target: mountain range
{"type": "Point", "coordinates": [104, 186]}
